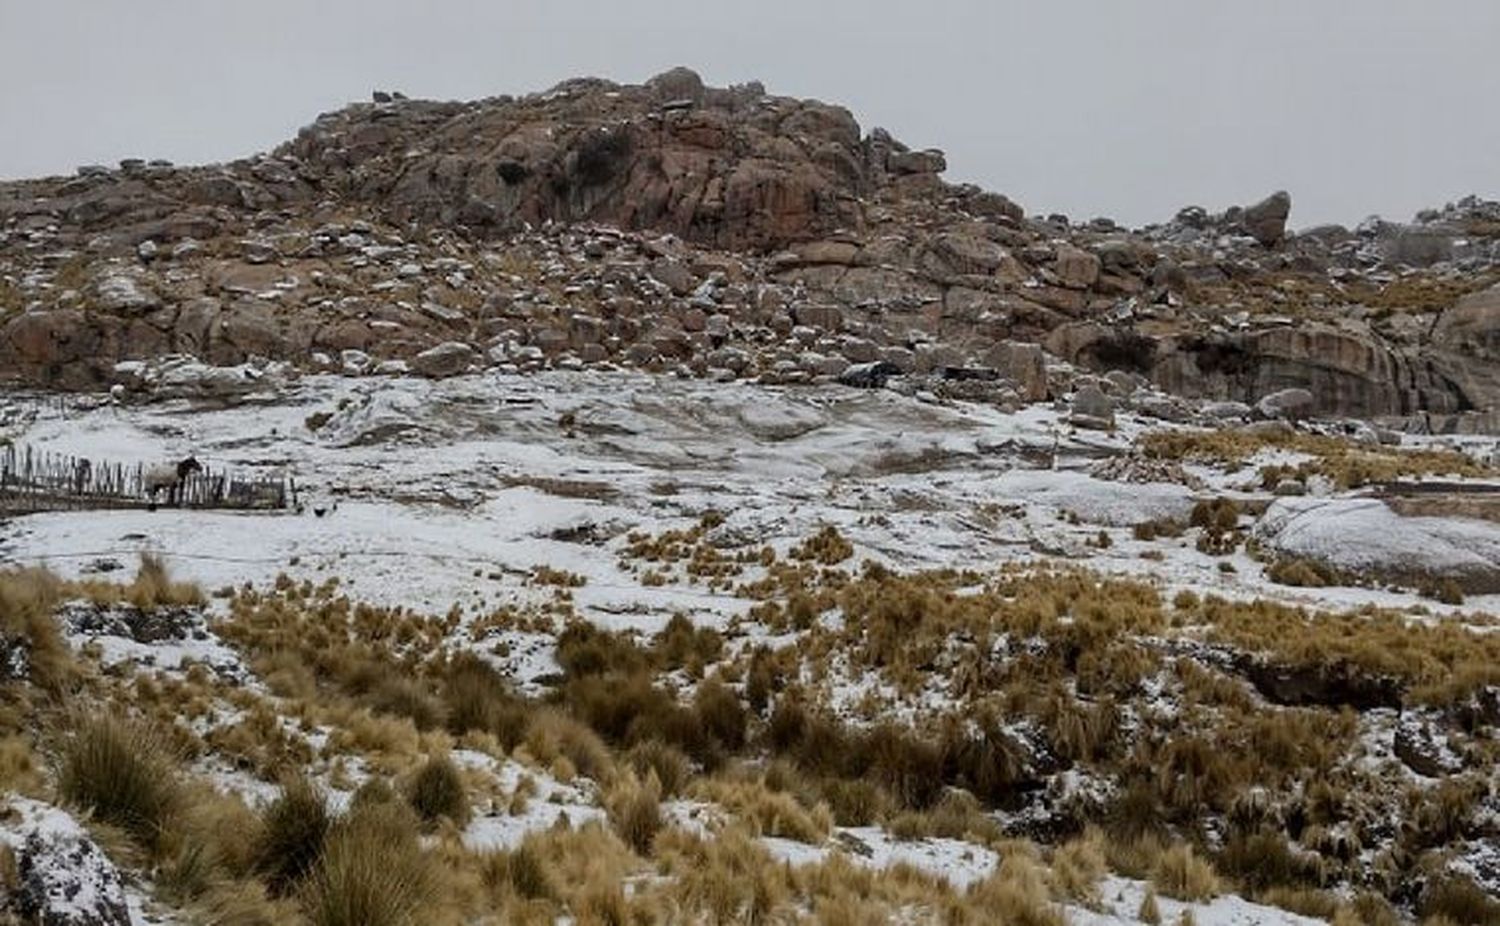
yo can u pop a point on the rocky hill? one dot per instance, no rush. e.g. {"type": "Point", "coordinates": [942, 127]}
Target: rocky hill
{"type": "Point", "coordinates": [722, 233]}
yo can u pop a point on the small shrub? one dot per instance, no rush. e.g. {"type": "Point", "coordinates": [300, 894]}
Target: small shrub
{"type": "Point", "coordinates": [293, 829]}
{"type": "Point", "coordinates": [437, 791]}
{"type": "Point", "coordinates": [123, 773]}
{"type": "Point", "coordinates": [827, 547]}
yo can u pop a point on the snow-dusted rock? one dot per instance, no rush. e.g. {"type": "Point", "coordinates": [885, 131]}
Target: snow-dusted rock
{"type": "Point", "coordinates": [64, 878]}
{"type": "Point", "coordinates": [120, 291]}
{"type": "Point", "coordinates": [1365, 537]}
{"type": "Point", "coordinates": [180, 376]}
{"type": "Point", "coordinates": [1097, 501]}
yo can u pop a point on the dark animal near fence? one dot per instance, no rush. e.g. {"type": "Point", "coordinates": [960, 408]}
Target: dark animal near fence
{"type": "Point", "coordinates": [34, 481]}
{"type": "Point", "coordinates": [170, 477]}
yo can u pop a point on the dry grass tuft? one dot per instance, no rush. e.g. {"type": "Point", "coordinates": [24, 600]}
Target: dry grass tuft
{"type": "Point", "coordinates": [1183, 875]}
{"type": "Point", "coordinates": [293, 830]}
{"type": "Point", "coordinates": [371, 873]}
{"type": "Point", "coordinates": [28, 598]}
{"type": "Point", "coordinates": [1017, 894]}
{"type": "Point", "coordinates": [121, 771]}
{"type": "Point", "coordinates": [1078, 867]}
{"type": "Point", "coordinates": [436, 792]}
{"type": "Point", "coordinates": [634, 808]}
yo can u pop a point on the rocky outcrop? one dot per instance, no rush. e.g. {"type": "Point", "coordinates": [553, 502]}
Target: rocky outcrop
{"type": "Point", "coordinates": [731, 168]}
{"type": "Point", "coordinates": [724, 233]}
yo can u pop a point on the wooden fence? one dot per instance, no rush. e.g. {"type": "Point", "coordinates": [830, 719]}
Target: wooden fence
{"type": "Point", "coordinates": [34, 481]}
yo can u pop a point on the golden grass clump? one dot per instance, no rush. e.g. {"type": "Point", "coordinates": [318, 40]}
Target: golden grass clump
{"type": "Point", "coordinates": [372, 871]}
{"type": "Point", "coordinates": [293, 830]}
{"type": "Point", "coordinates": [122, 772]}
{"type": "Point", "coordinates": [1150, 910]}
{"type": "Point", "coordinates": [436, 792]}
{"type": "Point", "coordinates": [1077, 868]}
{"type": "Point", "coordinates": [1346, 463]}
{"type": "Point", "coordinates": [670, 765]}
{"type": "Point", "coordinates": [1183, 875]}
{"type": "Point", "coordinates": [153, 587]}
{"type": "Point", "coordinates": [634, 808]}
{"type": "Point", "coordinates": [28, 598]}
{"type": "Point", "coordinates": [1017, 894]}
{"type": "Point", "coordinates": [768, 812]}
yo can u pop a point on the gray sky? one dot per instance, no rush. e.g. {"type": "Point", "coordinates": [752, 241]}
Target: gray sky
{"type": "Point", "coordinates": [1126, 108]}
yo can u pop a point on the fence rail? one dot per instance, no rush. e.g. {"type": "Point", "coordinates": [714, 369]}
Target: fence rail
{"type": "Point", "coordinates": [36, 481]}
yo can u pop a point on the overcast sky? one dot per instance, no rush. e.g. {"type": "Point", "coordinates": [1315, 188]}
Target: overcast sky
{"type": "Point", "coordinates": [1125, 108]}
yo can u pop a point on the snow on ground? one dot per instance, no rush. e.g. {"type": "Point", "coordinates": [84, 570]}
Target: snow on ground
{"type": "Point", "coordinates": [550, 802]}
{"type": "Point", "coordinates": [1121, 900]}
{"type": "Point", "coordinates": [451, 492]}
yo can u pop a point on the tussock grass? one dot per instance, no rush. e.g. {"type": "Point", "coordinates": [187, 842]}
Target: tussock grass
{"type": "Point", "coordinates": [634, 808]}
{"type": "Point", "coordinates": [371, 872]}
{"type": "Point", "coordinates": [122, 772]}
{"type": "Point", "coordinates": [293, 830]}
{"type": "Point", "coordinates": [1182, 874]}
{"type": "Point", "coordinates": [1017, 893]}
{"type": "Point", "coordinates": [521, 873]}
{"type": "Point", "coordinates": [28, 598]}
{"type": "Point", "coordinates": [436, 792]}
{"type": "Point", "coordinates": [1077, 868]}
{"type": "Point", "coordinates": [671, 767]}
{"type": "Point", "coordinates": [153, 587]}
{"type": "Point", "coordinates": [768, 812]}
{"type": "Point", "coordinates": [1346, 463]}
{"type": "Point", "coordinates": [1456, 899]}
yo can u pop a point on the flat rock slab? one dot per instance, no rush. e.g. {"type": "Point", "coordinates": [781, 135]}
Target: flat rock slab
{"type": "Point", "coordinates": [1367, 538]}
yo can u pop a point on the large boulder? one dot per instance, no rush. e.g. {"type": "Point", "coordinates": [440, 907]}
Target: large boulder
{"type": "Point", "coordinates": [1266, 220]}
{"type": "Point", "coordinates": [1022, 364]}
{"type": "Point", "coordinates": [1290, 404]}
{"type": "Point", "coordinates": [1091, 408]}
{"type": "Point", "coordinates": [1366, 539]}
